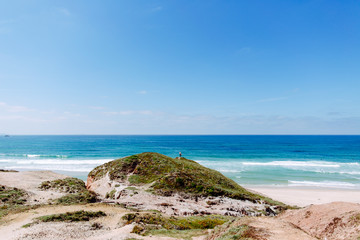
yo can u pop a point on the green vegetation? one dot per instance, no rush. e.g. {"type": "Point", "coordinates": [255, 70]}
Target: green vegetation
{"type": "Point", "coordinates": [111, 194]}
{"type": "Point", "coordinates": [242, 232]}
{"type": "Point", "coordinates": [76, 188]}
{"type": "Point", "coordinates": [171, 175]}
{"type": "Point", "coordinates": [68, 185]}
{"type": "Point", "coordinates": [118, 169]}
{"type": "Point", "coordinates": [155, 223]}
{"type": "Point", "coordinates": [178, 234]}
{"type": "Point", "coordinates": [27, 225]}
{"type": "Point", "coordinates": [237, 230]}
{"type": "Point", "coordinates": [12, 200]}
{"type": "Point", "coordinates": [77, 198]}
{"type": "Point", "coordinates": [5, 170]}
{"type": "Point", "coordinates": [71, 216]}
{"type": "Point", "coordinates": [96, 226]}
{"type": "Point", "coordinates": [10, 196]}
{"type": "Point", "coordinates": [356, 218]}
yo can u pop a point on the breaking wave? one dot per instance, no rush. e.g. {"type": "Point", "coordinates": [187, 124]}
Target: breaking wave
{"type": "Point", "coordinates": [294, 164]}
{"type": "Point", "coordinates": [326, 184]}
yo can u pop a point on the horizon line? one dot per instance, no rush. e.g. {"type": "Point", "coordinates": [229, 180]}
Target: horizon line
{"type": "Point", "coordinates": [181, 134]}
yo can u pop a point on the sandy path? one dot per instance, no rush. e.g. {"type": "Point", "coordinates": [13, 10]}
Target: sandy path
{"type": "Point", "coordinates": [332, 221]}
{"type": "Point", "coordinates": [279, 230]}
{"type": "Point", "coordinates": [112, 227]}
{"type": "Point", "coordinates": [305, 197]}
{"type": "Point", "coordinates": [269, 228]}
{"type": "Point", "coordinates": [28, 179]}
{"type": "Point", "coordinates": [12, 224]}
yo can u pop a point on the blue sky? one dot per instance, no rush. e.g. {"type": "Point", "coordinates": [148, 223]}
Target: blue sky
{"type": "Point", "coordinates": [180, 67]}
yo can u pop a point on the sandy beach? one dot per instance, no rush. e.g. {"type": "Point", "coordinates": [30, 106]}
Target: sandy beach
{"type": "Point", "coordinates": [310, 223]}
{"type": "Point", "coordinates": [306, 196]}
{"type": "Point", "coordinates": [301, 197]}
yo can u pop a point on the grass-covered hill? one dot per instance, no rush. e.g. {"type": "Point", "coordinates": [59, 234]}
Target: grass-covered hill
{"type": "Point", "coordinates": [173, 175]}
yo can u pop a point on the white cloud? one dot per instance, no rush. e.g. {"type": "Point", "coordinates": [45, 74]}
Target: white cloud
{"type": "Point", "coordinates": [156, 9]}
{"type": "Point", "coordinates": [110, 113]}
{"type": "Point", "coordinates": [150, 122]}
{"type": "Point", "coordinates": [129, 113]}
{"type": "Point", "coordinates": [146, 112]}
{"type": "Point", "coordinates": [335, 113]}
{"type": "Point", "coordinates": [23, 119]}
{"type": "Point", "coordinates": [13, 108]}
{"type": "Point", "coordinates": [64, 11]}
{"type": "Point", "coordinates": [70, 114]}
{"type": "Point", "coordinates": [124, 113]}
{"type": "Point", "coordinates": [272, 99]}
{"type": "Point", "coordinates": [97, 107]}
{"type": "Point", "coordinates": [243, 50]}
{"type": "Point", "coordinates": [6, 21]}
{"type": "Point", "coordinates": [4, 25]}
{"type": "Point", "coordinates": [142, 92]}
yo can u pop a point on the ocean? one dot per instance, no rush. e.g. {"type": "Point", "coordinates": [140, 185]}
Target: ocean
{"type": "Point", "coordinates": [271, 160]}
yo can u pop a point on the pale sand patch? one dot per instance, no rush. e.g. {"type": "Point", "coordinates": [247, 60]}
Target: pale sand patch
{"type": "Point", "coordinates": [268, 228]}
{"type": "Point", "coordinates": [332, 221]}
{"type": "Point", "coordinates": [30, 182]}
{"type": "Point", "coordinates": [303, 197]}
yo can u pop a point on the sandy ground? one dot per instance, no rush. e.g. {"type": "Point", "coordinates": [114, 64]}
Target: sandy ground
{"type": "Point", "coordinates": [331, 221]}
{"type": "Point", "coordinates": [11, 228]}
{"type": "Point", "coordinates": [276, 229]}
{"type": "Point", "coordinates": [112, 225]}
{"type": "Point", "coordinates": [30, 182]}
{"type": "Point", "coordinates": [305, 197]}
{"type": "Point", "coordinates": [175, 205]}
{"type": "Point", "coordinates": [266, 228]}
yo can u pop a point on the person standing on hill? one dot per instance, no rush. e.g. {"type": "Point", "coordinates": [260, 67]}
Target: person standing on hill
{"type": "Point", "coordinates": [180, 154]}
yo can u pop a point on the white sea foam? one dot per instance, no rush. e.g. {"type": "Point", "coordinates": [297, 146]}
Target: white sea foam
{"type": "Point", "coordinates": [32, 155]}
{"type": "Point", "coordinates": [41, 156]}
{"type": "Point", "coordinates": [294, 164]}
{"type": "Point", "coordinates": [229, 170]}
{"type": "Point", "coordinates": [238, 163]}
{"type": "Point", "coordinates": [341, 172]}
{"type": "Point", "coordinates": [60, 162]}
{"type": "Point", "coordinates": [53, 168]}
{"type": "Point", "coordinates": [328, 184]}
{"type": "Point", "coordinates": [316, 166]}
{"type": "Point", "coordinates": [78, 165]}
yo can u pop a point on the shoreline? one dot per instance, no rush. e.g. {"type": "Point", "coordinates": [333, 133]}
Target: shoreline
{"type": "Point", "coordinates": [291, 224]}
{"type": "Point", "coordinates": [303, 197]}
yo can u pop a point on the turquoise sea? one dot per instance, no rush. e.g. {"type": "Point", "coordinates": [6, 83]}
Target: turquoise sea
{"type": "Point", "coordinates": [283, 161]}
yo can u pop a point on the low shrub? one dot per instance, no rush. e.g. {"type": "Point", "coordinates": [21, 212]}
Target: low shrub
{"type": "Point", "coordinates": [71, 216]}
